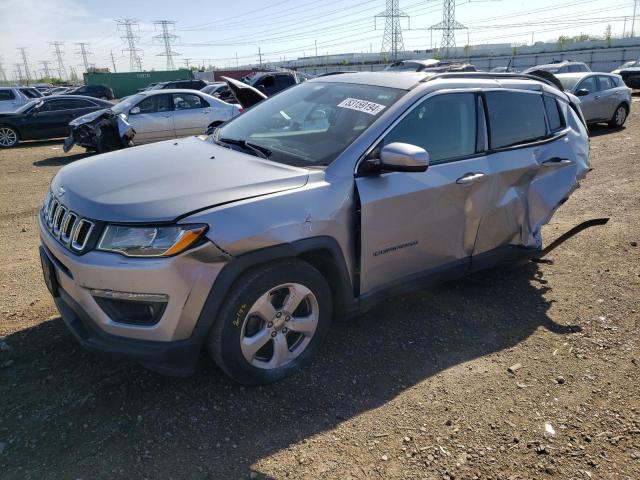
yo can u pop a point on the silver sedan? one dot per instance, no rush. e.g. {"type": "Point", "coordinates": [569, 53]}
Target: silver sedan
{"type": "Point", "coordinates": [164, 114]}
{"type": "Point", "coordinates": [603, 96]}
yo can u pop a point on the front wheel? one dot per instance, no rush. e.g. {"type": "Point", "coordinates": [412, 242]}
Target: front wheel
{"type": "Point", "coordinates": [8, 137]}
{"type": "Point", "coordinates": [272, 323]}
{"type": "Point", "coordinates": [619, 117]}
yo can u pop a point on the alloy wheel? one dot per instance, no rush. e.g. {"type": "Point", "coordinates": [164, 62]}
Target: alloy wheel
{"type": "Point", "coordinates": [621, 115]}
{"type": "Point", "coordinates": [8, 137]}
{"type": "Point", "coordinates": [279, 326]}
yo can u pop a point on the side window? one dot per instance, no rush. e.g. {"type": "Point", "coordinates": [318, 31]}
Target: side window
{"type": "Point", "coordinates": [554, 116]}
{"type": "Point", "coordinates": [284, 81]}
{"type": "Point", "coordinates": [59, 104]}
{"type": "Point", "coordinates": [6, 95]}
{"type": "Point", "coordinates": [605, 83]}
{"type": "Point", "coordinates": [155, 104]}
{"type": "Point", "coordinates": [187, 101]}
{"type": "Point", "coordinates": [515, 118]}
{"type": "Point", "coordinates": [444, 125]}
{"type": "Point", "coordinates": [29, 93]}
{"type": "Point", "coordinates": [588, 83]}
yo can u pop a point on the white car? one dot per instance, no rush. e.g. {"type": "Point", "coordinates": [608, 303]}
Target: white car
{"type": "Point", "coordinates": [165, 114]}
{"type": "Point", "coordinates": [12, 98]}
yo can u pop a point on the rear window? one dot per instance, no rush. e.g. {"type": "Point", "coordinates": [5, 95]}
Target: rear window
{"type": "Point", "coordinates": [6, 95]}
{"type": "Point", "coordinates": [30, 93]}
{"type": "Point", "coordinates": [556, 122]}
{"type": "Point", "coordinates": [515, 118]}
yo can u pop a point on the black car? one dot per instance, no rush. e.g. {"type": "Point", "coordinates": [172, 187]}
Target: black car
{"type": "Point", "coordinates": [44, 118]}
{"type": "Point", "coordinates": [270, 83]}
{"type": "Point", "coordinates": [630, 73]}
{"type": "Point", "coordinates": [188, 84]}
{"type": "Point", "coordinates": [96, 91]}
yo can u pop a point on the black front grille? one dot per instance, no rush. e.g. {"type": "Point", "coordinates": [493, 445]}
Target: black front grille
{"type": "Point", "coordinates": [69, 228]}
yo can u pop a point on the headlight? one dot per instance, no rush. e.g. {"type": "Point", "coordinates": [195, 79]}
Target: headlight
{"type": "Point", "coordinates": [163, 241]}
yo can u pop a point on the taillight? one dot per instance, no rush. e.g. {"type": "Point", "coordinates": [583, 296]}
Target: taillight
{"type": "Point", "coordinates": [241, 110]}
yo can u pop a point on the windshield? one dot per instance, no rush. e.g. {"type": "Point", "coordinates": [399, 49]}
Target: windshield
{"type": "Point", "coordinates": [125, 104]}
{"type": "Point", "coordinates": [310, 124]}
{"type": "Point", "coordinates": [569, 82]}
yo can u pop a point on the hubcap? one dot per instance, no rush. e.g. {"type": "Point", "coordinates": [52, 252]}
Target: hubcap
{"type": "Point", "coordinates": [7, 137]}
{"type": "Point", "coordinates": [279, 326]}
{"type": "Point", "coordinates": [621, 115]}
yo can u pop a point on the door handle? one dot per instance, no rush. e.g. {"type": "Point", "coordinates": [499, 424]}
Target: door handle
{"type": "Point", "coordinates": [166, 116]}
{"type": "Point", "coordinates": [557, 162]}
{"type": "Point", "coordinates": [468, 178]}
{"type": "Point", "coordinates": [205, 111]}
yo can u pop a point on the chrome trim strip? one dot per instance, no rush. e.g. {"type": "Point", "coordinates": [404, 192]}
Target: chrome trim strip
{"type": "Point", "coordinates": [141, 297]}
{"type": "Point", "coordinates": [65, 226]}
{"type": "Point", "coordinates": [58, 219]}
{"type": "Point", "coordinates": [74, 238]}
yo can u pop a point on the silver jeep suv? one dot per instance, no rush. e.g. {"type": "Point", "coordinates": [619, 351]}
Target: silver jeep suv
{"type": "Point", "coordinates": [311, 204]}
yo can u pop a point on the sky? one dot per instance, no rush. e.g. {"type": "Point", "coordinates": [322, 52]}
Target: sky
{"type": "Point", "coordinates": [215, 33]}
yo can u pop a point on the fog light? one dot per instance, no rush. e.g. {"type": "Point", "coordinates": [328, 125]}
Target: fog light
{"type": "Point", "coordinates": [131, 308]}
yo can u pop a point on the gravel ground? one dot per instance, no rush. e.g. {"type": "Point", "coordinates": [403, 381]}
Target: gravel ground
{"type": "Point", "coordinates": [523, 373]}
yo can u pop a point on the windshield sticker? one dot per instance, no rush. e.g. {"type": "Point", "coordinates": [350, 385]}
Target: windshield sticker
{"type": "Point", "coordinates": [362, 106]}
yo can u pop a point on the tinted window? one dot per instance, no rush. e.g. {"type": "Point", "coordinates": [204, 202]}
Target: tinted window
{"type": "Point", "coordinates": [515, 118]}
{"type": "Point", "coordinates": [186, 101]}
{"type": "Point", "coordinates": [155, 104]}
{"type": "Point", "coordinates": [605, 83]}
{"type": "Point", "coordinates": [574, 68]}
{"type": "Point", "coordinates": [589, 83]}
{"type": "Point", "coordinates": [444, 125]}
{"type": "Point", "coordinates": [284, 81]}
{"type": "Point", "coordinates": [65, 104]}
{"type": "Point", "coordinates": [6, 95]}
{"type": "Point", "coordinates": [553, 114]}
{"type": "Point", "coordinates": [30, 93]}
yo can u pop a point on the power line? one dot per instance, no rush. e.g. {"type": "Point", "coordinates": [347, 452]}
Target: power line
{"type": "Point", "coordinates": [448, 25]}
{"type": "Point", "coordinates": [135, 62]}
{"type": "Point", "coordinates": [23, 53]}
{"type": "Point", "coordinates": [392, 41]}
{"type": "Point", "coordinates": [62, 73]}
{"type": "Point", "coordinates": [84, 53]}
{"type": "Point", "coordinates": [168, 39]}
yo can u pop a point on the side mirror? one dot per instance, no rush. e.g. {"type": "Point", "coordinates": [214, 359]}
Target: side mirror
{"type": "Point", "coordinates": [403, 157]}
{"type": "Point", "coordinates": [134, 111]}
{"type": "Point", "coordinates": [582, 92]}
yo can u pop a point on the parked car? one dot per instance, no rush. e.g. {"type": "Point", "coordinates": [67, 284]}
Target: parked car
{"type": "Point", "coordinates": [215, 88]}
{"type": "Point", "coordinates": [45, 118]}
{"type": "Point", "coordinates": [603, 96]}
{"type": "Point", "coordinates": [250, 241]}
{"type": "Point", "coordinates": [59, 90]}
{"type": "Point", "coordinates": [503, 70]}
{"type": "Point", "coordinates": [630, 73]}
{"type": "Point", "coordinates": [154, 115]}
{"type": "Point", "coordinates": [148, 87]}
{"type": "Point", "coordinates": [430, 65]}
{"type": "Point", "coordinates": [271, 83]}
{"type": "Point", "coordinates": [561, 67]}
{"type": "Point", "coordinates": [12, 98]}
{"type": "Point", "coordinates": [43, 88]}
{"type": "Point", "coordinates": [97, 91]}
{"type": "Point", "coordinates": [180, 84]}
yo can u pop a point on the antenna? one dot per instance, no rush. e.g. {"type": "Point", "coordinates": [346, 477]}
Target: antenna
{"type": "Point", "coordinates": [448, 25]}
{"type": "Point", "coordinates": [135, 62]}
{"type": "Point", "coordinates": [62, 73]}
{"type": "Point", "coordinates": [168, 39]}
{"type": "Point", "coordinates": [84, 53]}
{"type": "Point", "coordinates": [392, 41]}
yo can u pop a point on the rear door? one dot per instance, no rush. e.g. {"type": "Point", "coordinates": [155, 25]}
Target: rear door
{"type": "Point", "coordinates": [413, 223]}
{"type": "Point", "coordinates": [190, 115]}
{"type": "Point", "coordinates": [155, 119]}
{"type": "Point", "coordinates": [610, 96]}
{"type": "Point", "coordinates": [53, 117]}
{"type": "Point", "coordinates": [531, 169]}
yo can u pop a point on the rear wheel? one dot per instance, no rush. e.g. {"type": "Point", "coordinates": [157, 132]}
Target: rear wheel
{"type": "Point", "coordinates": [619, 117]}
{"type": "Point", "coordinates": [272, 323]}
{"type": "Point", "coordinates": [8, 137]}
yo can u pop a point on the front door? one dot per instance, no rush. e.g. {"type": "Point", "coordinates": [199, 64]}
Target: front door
{"type": "Point", "coordinates": [154, 121]}
{"type": "Point", "coordinates": [412, 223]}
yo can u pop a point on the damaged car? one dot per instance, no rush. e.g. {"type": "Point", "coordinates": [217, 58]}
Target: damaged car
{"type": "Point", "coordinates": [313, 204]}
{"type": "Point", "coordinates": [150, 116]}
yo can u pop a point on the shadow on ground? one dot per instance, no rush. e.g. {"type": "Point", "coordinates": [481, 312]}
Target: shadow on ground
{"type": "Point", "coordinates": [59, 161]}
{"type": "Point", "coordinates": [87, 416]}
{"type": "Point", "coordinates": [598, 129]}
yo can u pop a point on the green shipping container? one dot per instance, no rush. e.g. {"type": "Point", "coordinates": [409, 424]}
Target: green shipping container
{"type": "Point", "coordinates": [128, 83]}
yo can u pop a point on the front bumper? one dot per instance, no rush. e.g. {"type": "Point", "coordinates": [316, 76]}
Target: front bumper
{"type": "Point", "coordinates": [186, 280]}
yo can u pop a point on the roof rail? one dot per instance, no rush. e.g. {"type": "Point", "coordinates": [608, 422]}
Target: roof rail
{"type": "Point", "coordinates": [488, 75]}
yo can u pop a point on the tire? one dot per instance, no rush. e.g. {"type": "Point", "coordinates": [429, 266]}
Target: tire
{"type": "Point", "coordinates": [8, 136]}
{"type": "Point", "coordinates": [256, 312]}
{"type": "Point", "coordinates": [619, 116]}
{"type": "Point", "coordinates": [210, 129]}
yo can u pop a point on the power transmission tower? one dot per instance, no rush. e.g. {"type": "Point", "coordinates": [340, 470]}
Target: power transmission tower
{"type": "Point", "coordinates": [167, 39]}
{"type": "Point", "coordinates": [3, 75]}
{"type": "Point", "coordinates": [72, 74]}
{"type": "Point", "coordinates": [448, 25]}
{"type": "Point", "coordinates": [19, 72]}
{"type": "Point", "coordinates": [23, 53]}
{"type": "Point", "coordinates": [260, 56]}
{"type": "Point", "coordinates": [135, 63]}
{"type": "Point", "coordinates": [187, 62]}
{"type": "Point", "coordinates": [56, 48]}
{"type": "Point", "coordinates": [84, 53]}
{"type": "Point", "coordinates": [392, 41]}
{"type": "Point", "coordinates": [113, 61]}
{"type": "Point", "coordinates": [45, 68]}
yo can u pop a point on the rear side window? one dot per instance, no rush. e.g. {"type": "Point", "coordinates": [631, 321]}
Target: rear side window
{"type": "Point", "coordinates": [155, 104]}
{"type": "Point", "coordinates": [605, 83]}
{"type": "Point", "coordinates": [556, 122]}
{"type": "Point", "coordinates": [444, 125]}
{"type": "Point", "coordinates": [515, 118]}
{"type": "Point", "coordinates": [30, 92]}
{"type": "Point", "coordinates": [6, 95]}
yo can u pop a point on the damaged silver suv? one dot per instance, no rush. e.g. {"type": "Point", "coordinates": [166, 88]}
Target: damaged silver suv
{"type": "Point", "coordinates": [311, 204]}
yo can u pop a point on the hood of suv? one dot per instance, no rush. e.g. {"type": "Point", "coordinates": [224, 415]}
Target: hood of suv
{"type": "Point", "coordinates": [166, 180]}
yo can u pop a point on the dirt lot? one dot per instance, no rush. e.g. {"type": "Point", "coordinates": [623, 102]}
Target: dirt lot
{"type": "Point", "coordinates": [417, 388]}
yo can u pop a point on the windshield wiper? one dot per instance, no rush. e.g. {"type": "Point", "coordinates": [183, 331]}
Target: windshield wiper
{"type": "Point", "coordinates": [258, 150]}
